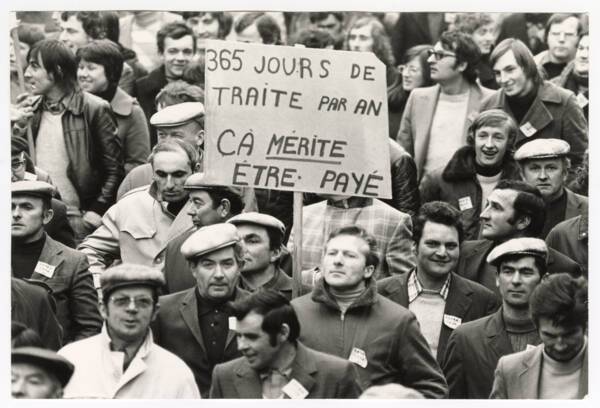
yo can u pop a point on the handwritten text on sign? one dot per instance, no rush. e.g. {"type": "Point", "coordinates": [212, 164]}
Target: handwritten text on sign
{"type": "Point", "coordinates": [296, 119]}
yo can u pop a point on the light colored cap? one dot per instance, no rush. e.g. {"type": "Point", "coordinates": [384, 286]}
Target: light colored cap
{"type": "Point", "coordinates": [518, 246]}
{"type": "Point", "coordinates": [209, 239]}
{"type": "Point", "coordinates": [130, 275]}
{"type": "Point", "coordinates": [178, 114]}
{"type": "Point", "coordinates": [199, 181]}
{"type": "Point", "coordinates": [264, 220]}
{"type": "Point", "coordinates": [32, 188]}
{"type": "Point", "coordinates": [542, 149]}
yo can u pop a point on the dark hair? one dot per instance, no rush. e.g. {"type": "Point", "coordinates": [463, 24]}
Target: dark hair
{"type": "Point", "coordinates": [314, 38]}
{"type": "Point", "coordinates": [194, 73]}
{"type": "Point", "coordinates": [470, 22]}
{"type": "Point", "coordinates": [91, 22]}
{"type": "Point", "coordinates": [523, 56]}
{"type": "Point", "coordinates": [275, 309]}
{"type": "Point", "coordinates": [105, 53]}
{"type": "Point", "coordinates": [267, 27]}
{"type": "Point", "coordinates": [356, 231]}
{"type": "Point", "coordinates": [558, 18]}
{"type": "Point", "coordinates": [420, 52]}
{"type": "Point", "coordinates": [561, 298]}
{"type": "Point", "coordinates": [23, 336]}
{"type": "Point", "coordinates": [178, 92]}
{"type": "Point", "coordinates": [217, 194]}
{"type": "Point", "coordinates": [440, 213]}
{"type": "Point", "coordinates": [58, 61]}
{"type": "Point", "coordinates": [466, 50]}
{"type": "Point", "coordinates": [224, 19]}
{"type": "Point", "coordinates": [110, 19]}
{"type": "Point", "coordinates": [175, 30]}
{"type": "Point", "coordinates": [494, 118]}
{"type": "Point", "coordinates": [29, 34]}
{"type": "Point", "coordinates": [177, 146]}
{"type": "Point", "coordinates": [528, 202]}
{"type": "Point", "coordinates": [382, 46]}
{"type": "Point", "coordinates": [274, 234]}
{"type": "Point", "coordinates": [320, 16]}
{"type": "Point", "coordinates": [539, 262]}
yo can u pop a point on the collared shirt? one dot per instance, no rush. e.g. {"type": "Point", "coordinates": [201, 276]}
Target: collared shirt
{"type": "Point", "coordinates": [214, 326]}
{"type": "Point", "coordinates": [415, 288]}
{"type": "Point", "coordinates": [58, 107]}
{"type": "Point", "coordinates": [273, 382]}
{"type": "Point", "coordinates": [280, 282]}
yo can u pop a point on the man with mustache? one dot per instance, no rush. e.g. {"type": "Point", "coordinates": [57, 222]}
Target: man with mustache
{"type": "Point", "coordinates": [194, 323]}
{"type": "Point", "coordinates": [544, 165]}
{"type": "Point", "coordinates": [474, 170]}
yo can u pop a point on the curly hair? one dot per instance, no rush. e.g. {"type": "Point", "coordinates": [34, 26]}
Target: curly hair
{"type": "Point", "coordinates": [382, 47]}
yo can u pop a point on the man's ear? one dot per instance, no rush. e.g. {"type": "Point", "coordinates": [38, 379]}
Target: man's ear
{"type": "Point", "coordinates": [369, 271]}
{"type": "Point", "coordinates": [225, 208]}
{"type": "Point", "coordinates": [48, 214]}
{"type": "Point", "coordinates": [103, 309]}
{"type": "Point", "coordinates": [155, 312]}
{"type": "Point", "coordinates": [284, 332]}
{"type": "Point", "coordinates": [200, 136]}
{"type": "Point", "coordinates": [523, 222]}
{"type": "Point", "coordinates": [275, 254]}
{"type": "Point", "coordinates": [462, 66]}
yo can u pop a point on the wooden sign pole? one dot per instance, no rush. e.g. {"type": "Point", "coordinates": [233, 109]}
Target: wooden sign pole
{"type": "Point", "coordinates": [297, 255]}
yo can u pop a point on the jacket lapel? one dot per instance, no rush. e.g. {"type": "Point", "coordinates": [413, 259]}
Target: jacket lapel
{"type": "Point", "coordinates": [498, 341]}
{"type": "Point", "coordinates": [247, 382]}
{"type": "Point", "coordinates": [303, 368]}
{"type": "Point", "coordinates": [457, 304]}
{"type": "Point", "coordinates": [537, 116]}
{"type": "Point", "coordinates": [529, 377]}
{"type": "Point", "coordinates": [427, 102]}
{"type": "Point", "coordinates": [583, 381]}
{"type": "Point", "coordinates": [573, 205]}
{"type": "Point", "coordinates": [189, 313]}
{"type": "Point", "coordinates": [472, 261]}
{"type": "Point", "coordinates": [51, 254]}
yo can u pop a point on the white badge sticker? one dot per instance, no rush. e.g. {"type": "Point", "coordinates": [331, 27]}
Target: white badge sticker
{"type": "Point", "coordinates": [44, 269]}
{"type": "Point", "coordinates": [452, 321]}
{"type": "Point", "coordinates": [295, 390]}
{"type": "Point", "coordinates": [528, 129]}
{"type": "Point", "coordinates": [582, 101]}
{"type": "Point", "coordinates": [232, 323]}
{"type": "Point", "coordinates": [359, 357]}
{"type": "Point", "coordinates": [464, 203]}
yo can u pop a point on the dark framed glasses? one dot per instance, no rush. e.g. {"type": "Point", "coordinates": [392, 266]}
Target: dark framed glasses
{"type": "Point", "coordinates": [438, 54]}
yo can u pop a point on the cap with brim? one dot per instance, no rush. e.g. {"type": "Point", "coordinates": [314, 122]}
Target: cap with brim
{"type": "Point", "coordinates": [32, 188]}
{"type": "Point", "coordinates": [542, 149]}
{"type": "Point", "coordinates": [518, 246]}
{"type": "Point", "coordinates": [200, 181]}
{"type": "Point", "coordinates": [177, 115]}
{"type": "Point", "coordinates": [264, 220]}
{"type": "Point", "coordinates": [124, 275]}
{"type": "Point", "coordinates": [209, 239]}
{"type": "Point", "coordinates": [50, 361]}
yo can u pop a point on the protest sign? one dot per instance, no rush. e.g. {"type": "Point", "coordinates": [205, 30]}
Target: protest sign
{"type": "Point", "coordinates": [296, 119]}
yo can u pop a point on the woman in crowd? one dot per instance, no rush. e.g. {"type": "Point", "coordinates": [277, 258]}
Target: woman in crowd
{"type": "Point", "coordinates": [100, 67]}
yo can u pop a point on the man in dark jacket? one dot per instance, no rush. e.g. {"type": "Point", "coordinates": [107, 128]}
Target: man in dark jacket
{"type": "Point", "coordinates": [440, 299]}
{"type": "Point", "coordinates": [474, 348]}
{"type": "Point", "coordinates": [75, 133]}
{"type": "Point", "coordinates": [514, 209]}
{"type": "Point", "coordinates": [176, 45]}
{"type": "Point", "coordinates": [38, 257]}
{"type": "Point", "coordinates": [474, 170]}
{"type": "Point", "coordinates": [345, 316]}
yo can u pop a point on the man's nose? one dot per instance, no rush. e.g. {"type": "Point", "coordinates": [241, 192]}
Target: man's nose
{"type": "Point", "coordinates": [542, 174]}
{"type": "Point", "coordinates": [16, 212]}
{"type": "Point", "coordinates": [516, 278]}
{"type": "Point", "coordinates": [18, 388]}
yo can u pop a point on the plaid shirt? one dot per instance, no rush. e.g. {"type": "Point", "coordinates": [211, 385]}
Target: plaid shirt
{"type": "Point", "coordinates": [415, 288]}
{"type": "Point", "coordinates": [392, 229]}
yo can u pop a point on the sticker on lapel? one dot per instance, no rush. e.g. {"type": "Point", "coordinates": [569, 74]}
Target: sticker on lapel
{"type": "Point", "coordinates": [44, 269]}
{"type": "Point", "coordinates": [452, 321]}
{"type": "Point", "coordinates": [358, 357]}
{"type": "Point", "coordinates": [232, 323]}
{"type": "Point", "coordinates": [295, 390]}
{"type": "Point", "coordinates": [528, 129]}
{"type": "Point", "coordinates": [464, 203]}
{"type": "Point", "coordinates": [582, 101]}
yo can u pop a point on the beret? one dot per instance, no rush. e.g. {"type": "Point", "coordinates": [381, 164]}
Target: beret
{"type": "Point", "coordinates": [542, 149]}
{"type": "Point", "coordinates": [518, 246]}
{"type": "Point", "coordinates": [209, 239]}
{"type": "Point", "coordinates": [178, 114]}
{"type": "Point", "coordinates": [50, 361]}
{"type": "Point", "coordinates": [264, 220]}
{"type": "Point", "coordinates": [200, 181]}
{"type": "Point", "coordinates": [130, 275]}
{"type": "Point", "coordinates": [32, 188]}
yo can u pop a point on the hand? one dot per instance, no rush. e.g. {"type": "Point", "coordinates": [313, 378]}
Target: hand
{"type": "Point", "coordinates": [21, 116]}
{"type": "Point", "coordinates": [92, 219]}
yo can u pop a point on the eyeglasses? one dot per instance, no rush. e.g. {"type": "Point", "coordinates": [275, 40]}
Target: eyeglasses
{"type": "Point", "coordinates": [139, 302]}
{"type": "Point", "coordinates": [440, 54]}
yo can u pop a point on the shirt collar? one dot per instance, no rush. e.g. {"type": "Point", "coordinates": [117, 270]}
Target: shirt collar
{"type": "Point", "coordinates": [205, 306]}
{"type": "Point", "coordinates": [415, 288]}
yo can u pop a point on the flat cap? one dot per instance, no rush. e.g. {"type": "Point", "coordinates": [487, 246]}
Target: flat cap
{"type": "Point", "coordinates": [32, 188]}
{"type": "Point", "coordinates": [50, 361]}
{"type": "Point", "coordinates": [18, 144]}
{"type": "Point", "coordinates": [542, 149]}
{"type": "Point", "coordinates": [200, 181]}
{"type": "Point", "coordinates": [130, 275]}
{"type": "Point", "coordinates": [264, 220]}
{"type": "Point", "coordinates": [178, 114]}
{"type": "Point", "coordinates": [518, 246]}
{"type": "Point", "coordinates": [209, 239]}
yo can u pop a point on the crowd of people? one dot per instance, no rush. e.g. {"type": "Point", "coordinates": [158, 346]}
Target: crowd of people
{"type": "Point", "coordinates": [132, 277]}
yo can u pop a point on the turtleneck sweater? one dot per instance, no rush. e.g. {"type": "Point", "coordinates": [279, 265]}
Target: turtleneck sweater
{"type": "Point", "coordinates": [521, 332]}
{"type": "Point", "coordinates": [344, 300]}
{"type": "Point", "coordinates": [561, 379]}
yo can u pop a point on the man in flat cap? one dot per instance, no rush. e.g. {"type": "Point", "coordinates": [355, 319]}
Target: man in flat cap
{"type": "Point", "coordinates": [37, 257]}
{"type": "Point", "coordinates": [123, 361]}
{"type": "Point", "coordinates": [514, 209]}
{"type": "Point", "coordinates": [544, 164]}
{"type": "Point", "coordinates": [135, 229]}
{"type": "Point", "coordinates": [208, 204]}
{"type": "Point", "coordinates": [23, 169]}
{"type": "Point", "coordinates": [262, 236]}
{"type": "Point", "coordinates": [194, 323]}
{"type": "Point", "coordinates": [38, 373]}
{"type": "Point", "coordinates": [184, 121]}
{"type": "Point", "coordinates": [475, 347]}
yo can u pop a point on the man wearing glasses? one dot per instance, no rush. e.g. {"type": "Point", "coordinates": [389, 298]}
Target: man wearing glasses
{"type": "Point", "coordinates": [435, 120]}
{"type": "Point", "coordinates": [123, 361]}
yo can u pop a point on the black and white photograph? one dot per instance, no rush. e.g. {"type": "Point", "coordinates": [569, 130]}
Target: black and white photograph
{"type": "Point", "coordinates": [286, 202]}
